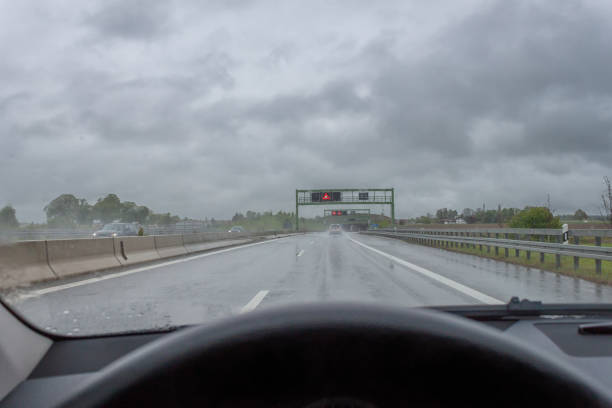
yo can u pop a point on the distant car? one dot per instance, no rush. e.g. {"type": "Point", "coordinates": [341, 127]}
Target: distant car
{"type": "Point", "coordinates": [335, 229]}
{"type": "Point", "coordinates": [116, 229]}
{"type": "Point", "coordinates": [236, 228]}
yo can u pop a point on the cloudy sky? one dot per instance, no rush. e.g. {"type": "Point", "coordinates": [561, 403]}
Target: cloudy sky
{"type": "Point", "coordinates": [204, 108]}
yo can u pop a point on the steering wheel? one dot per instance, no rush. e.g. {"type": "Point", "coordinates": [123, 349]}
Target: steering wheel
{"type": "Point", "coordinates": [338, 355]}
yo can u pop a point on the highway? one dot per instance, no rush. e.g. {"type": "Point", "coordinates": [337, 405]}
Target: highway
{"type": "Point", "coordinates": [295, 269]}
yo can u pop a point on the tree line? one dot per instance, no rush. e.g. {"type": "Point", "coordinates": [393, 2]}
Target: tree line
{"type": "Point", "coordinates": [529, 217]}
{"type": "Point", "coordinates": [253, 219]}
{"type": "Point", "coordinates": [68, 210]}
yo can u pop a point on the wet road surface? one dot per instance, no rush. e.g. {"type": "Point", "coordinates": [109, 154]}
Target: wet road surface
{"type": "Point", "coordinates": [296, 269]}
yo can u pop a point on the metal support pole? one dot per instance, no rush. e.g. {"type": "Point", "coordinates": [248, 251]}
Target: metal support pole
{"type": "Point", "coordinates": [393, 207]}
{"type": "Point", "coordinates": [297, 216]}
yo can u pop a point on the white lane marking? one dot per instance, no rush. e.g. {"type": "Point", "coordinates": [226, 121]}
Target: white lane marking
{"type": "Point", "coordinates": [57, 288]}
{"type": "Point", "coordinates": [249, 307]}
{"type": "Point", "coordinates": [301, 252]}
{"type": "Point", "coordinates": [432, 275]}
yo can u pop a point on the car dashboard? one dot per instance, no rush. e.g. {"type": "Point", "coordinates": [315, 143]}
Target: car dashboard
{"type": "Point", "coordinates": [70, 361]}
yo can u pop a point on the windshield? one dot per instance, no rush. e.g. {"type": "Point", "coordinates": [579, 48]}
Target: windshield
{"type": "Point", "coordinates": [406, 153]}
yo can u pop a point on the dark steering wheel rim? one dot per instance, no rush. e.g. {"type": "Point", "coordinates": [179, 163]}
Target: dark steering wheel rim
{"type": "Point", "coordinates": [144, 365]}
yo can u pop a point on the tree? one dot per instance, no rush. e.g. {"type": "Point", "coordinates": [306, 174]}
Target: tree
{"type": "Point", "coordinates": [580, 214]}
{"type": "Point", "coordinates": [63, 210]}
{"type": "Point", "coordinates": [108, 209]}
{"type": "Point", "coordinates": [423, 220]}
{"type": "Point", "coordinates": [134, 213]}
{"type": "Point", "coordinates": [535, 217]}
{"type": "Point", "coordinates": [8, 219]}
{"type": "Point", "coordinates": [84, 214]}
{"type": "Point", "coordinates": [606, 198]}
{"type": "Point", "coordinates": [445, 214]}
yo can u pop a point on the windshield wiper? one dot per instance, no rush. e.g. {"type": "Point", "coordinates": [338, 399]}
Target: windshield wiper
{"type": "Point", "coordinates": [595, 328]}
{"type": "Point", "coordinates": [525, 307]}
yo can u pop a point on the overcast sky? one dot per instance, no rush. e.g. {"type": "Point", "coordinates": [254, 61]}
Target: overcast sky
{"type": "Point", "coordinates": [205, 108]}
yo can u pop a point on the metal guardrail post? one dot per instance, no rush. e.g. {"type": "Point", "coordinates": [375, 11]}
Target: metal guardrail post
{"type": "Point", "coordinates": [517, 253]}
{"type": "Point", "coordinates": [496, 248]}
{"type": "Point", "coordinates": [557, 256]}
{"type": "Point", "coordinates": [576, 258]}
{"type": "Point", "coordinates": [506, 249]}
{"type": "Point", "coordinates": [488, 246]}
{"type": "Point", "coordinates": [598, 261]}
{"type": "Point", "coordinates": [528, 253]}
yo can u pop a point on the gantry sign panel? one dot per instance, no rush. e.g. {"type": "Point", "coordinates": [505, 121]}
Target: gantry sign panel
{"type": "Point", "coordinates": [344, 196]}
{"type": "Point", "coordinates": [356, 211]}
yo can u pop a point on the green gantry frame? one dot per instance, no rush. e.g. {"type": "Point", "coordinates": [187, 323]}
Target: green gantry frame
{"type": "Point", "coordinates": [385, 196]}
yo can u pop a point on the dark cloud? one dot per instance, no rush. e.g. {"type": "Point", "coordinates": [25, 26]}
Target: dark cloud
{"type": "Point", "coordinates": [204, 109]}
{"type": "Point", "coordinates": [131, 19]}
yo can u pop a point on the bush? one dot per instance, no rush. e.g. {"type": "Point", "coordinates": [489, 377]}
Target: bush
{"type": "Point", "coordinates": [535, 217]}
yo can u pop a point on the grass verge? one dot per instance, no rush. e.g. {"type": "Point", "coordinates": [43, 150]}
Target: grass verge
{"type": "Point", "coordinates": [586, 269]}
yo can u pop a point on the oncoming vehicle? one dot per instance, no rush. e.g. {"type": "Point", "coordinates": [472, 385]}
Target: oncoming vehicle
{"type": "Point", "coordinates": [236, 229]}
{"type": "Point", "coordinates": [335, 229]}
{"type": "Point", "coordinates": [116, 229]}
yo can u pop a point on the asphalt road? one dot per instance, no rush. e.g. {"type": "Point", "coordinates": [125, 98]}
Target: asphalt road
{"type": "Point", "coordinates": [296, 269]}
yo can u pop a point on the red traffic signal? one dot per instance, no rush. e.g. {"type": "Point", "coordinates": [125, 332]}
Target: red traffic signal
{"type": "Point", "coordinates": [333, 213]}
{"type": "Point", "coordinates": [325, 197]}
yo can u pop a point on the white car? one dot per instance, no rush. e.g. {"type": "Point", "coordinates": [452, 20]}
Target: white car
{"type": "Point", "coordinates": [335, 229]}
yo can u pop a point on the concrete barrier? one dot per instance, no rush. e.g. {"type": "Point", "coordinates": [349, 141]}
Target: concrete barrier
{"type": "Point", "coordinates": [131, 250]}
{"type": "Point", "coordinates": [169, 245]}
{"type": "Point", "coordinates": [194, 242]}
{"type": "Point", "coordinates": [22, 263]}
{"type": "Point", "coordinates": [73, 256]}
{"type": "Point", "coordinates": [33, 261]}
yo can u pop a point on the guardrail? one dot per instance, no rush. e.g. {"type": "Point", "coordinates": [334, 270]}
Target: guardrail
{"type": "Point", "coordinates": [482, 237]}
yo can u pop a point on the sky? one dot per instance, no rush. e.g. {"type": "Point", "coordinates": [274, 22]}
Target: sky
{"type": "Point", "coordinates": [205, 108]}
